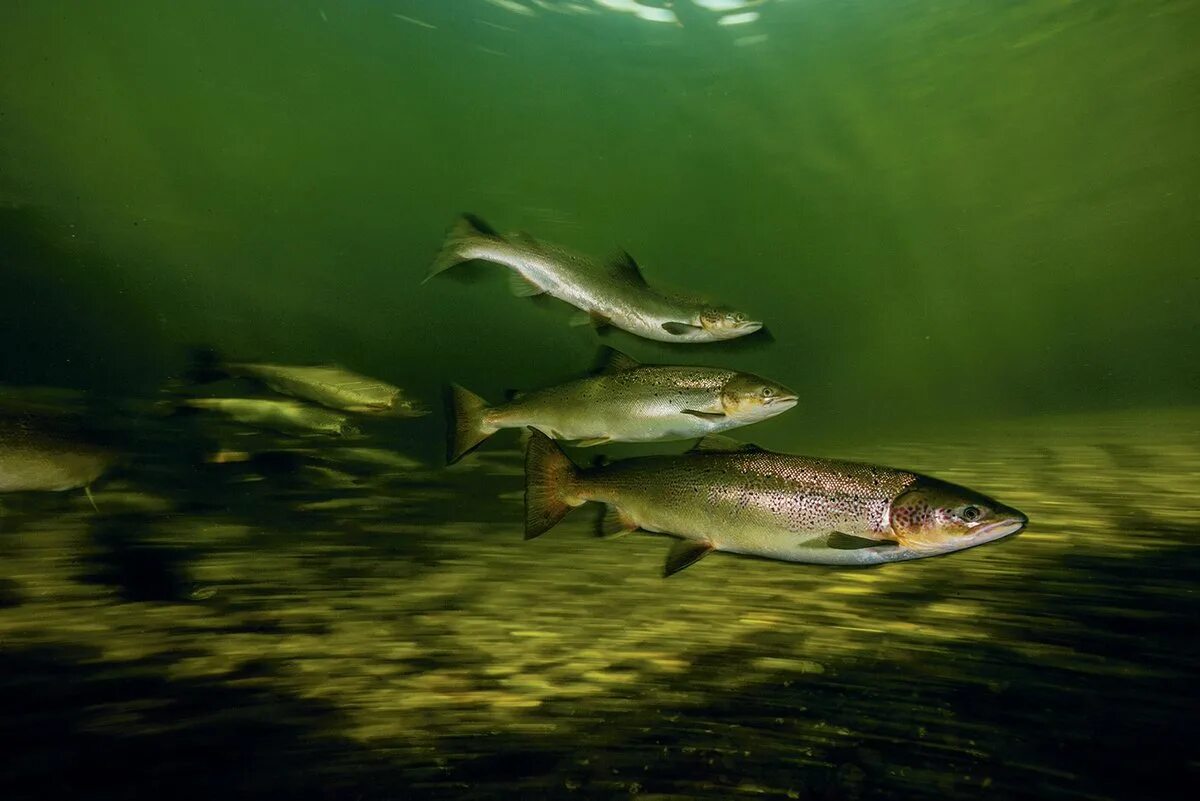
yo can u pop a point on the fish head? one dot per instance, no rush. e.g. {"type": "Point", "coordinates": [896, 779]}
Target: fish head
{"type": "Point", "coordinates": [934, 516]}
{"type": "Point", "coordinates": [724, 323]}
{"type": "Point", "coordinates": [748, 398]}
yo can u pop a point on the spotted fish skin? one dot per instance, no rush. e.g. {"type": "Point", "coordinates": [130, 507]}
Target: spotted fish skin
{"type": "Point", "coordinates": [722, 496]}
{"type": "Point", "coordinates": [757, 503]}
{"type": "Point", "coordinates": [641, 405]}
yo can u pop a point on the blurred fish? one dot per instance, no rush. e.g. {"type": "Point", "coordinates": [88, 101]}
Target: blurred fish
{"type": "Point", "coordinates": [724, 496]}
{"type": "Point", "coordinates": [285, 416]}
{"type": "Point", "coordinates": [38, 453]}
{"type": "Point", "coordinates": [606, 294]}
{"type": "Point", "coordinates": [625, 401]}
{"type": "Point", "coordinates": [327, 385]}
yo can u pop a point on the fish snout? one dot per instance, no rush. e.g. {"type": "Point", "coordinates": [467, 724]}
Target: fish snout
{"type": "Point", "coordinates": [1009, 522]}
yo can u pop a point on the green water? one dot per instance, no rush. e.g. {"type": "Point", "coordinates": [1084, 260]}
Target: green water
{"type": "Point", "coordinates": [971, 227]}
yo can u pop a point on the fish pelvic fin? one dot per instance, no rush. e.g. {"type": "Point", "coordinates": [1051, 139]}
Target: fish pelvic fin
{"type": "Point", "coordinates": [467, 230]}
{"type": "Point", "coordinates": [465, 426]}
{"type": "Point", "coordinates": [549, 478]}
{"type": "Point", "coordinates": [684, 553]}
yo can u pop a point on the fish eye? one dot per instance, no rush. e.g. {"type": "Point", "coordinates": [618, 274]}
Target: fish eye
{"type": "Point", "coordinates": [739, 317]}
{"type": "Point", "coordinates": [970, 513]}
{"type": "Point", "coordinates": [767, 392]}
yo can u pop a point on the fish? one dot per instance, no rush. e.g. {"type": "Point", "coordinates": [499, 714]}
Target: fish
{"type": "Point", "coordinates": [284, 416]}
{"type": "Point", "coordinates": [624, 401]}
{"type": "Point", "coordinates": [606, 294]}
{"type": "Point", "coordinates": [327, 385]}
{"type": "Point", "coordinates": [742, 499]}
{"type": "Point", "coordinates": [49, 455]}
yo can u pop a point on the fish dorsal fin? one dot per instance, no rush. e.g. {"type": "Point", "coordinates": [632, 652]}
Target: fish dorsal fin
{"type": "Point", "coordinates": [719, 443]}
{"type": "Point", "coordinates": [623, 265]}
{"type": "Point", "coordinates": [611, 360]}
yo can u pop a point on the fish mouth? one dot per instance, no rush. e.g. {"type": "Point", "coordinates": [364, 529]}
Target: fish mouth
{"type": "Point", "coordinates": [1001, 528]}
{"type": "Point", "coordinates": [782, 403]}
{"type": "Point", "coordinates": [748, 327]}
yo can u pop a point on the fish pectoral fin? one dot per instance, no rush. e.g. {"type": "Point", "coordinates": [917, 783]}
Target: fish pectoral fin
{"type": "Point", "coordinates": [614, 522]}
{"type": "Point", "coordinates": [705, 415]}
{"type": "Point", "coordinates": [679, 329]}
{"type": "Point", "coordinates": [684, 553]}
{"type": "Point", "coordinates": [848, 542]}
{"type": "Point", "coordinates": [723, 444]}
{"type": "Point", "coordinates": [588, 443]}
{"type": "Point", "coordinates": [522, 287]}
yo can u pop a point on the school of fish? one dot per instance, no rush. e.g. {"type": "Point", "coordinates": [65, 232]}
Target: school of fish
{"type": "Point", "coordinates": [722, 495]}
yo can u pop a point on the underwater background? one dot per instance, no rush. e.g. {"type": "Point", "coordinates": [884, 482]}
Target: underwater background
{"type": "Point", "coordinates": [972, 229]}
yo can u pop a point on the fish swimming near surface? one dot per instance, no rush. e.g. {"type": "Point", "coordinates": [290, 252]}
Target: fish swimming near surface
{"type": "Point", "coordinates": [330, 386]}
{"type": "Point", "coordinates": [48, 454]}
{"type": "Point", "coordinates": [724, 496]}
{"type": "Point", "coordinates": [285, 416]}
{"type": "Point", "coordinates": [613, 293]}
{"type": "Point", "coordinates": [625, 401]}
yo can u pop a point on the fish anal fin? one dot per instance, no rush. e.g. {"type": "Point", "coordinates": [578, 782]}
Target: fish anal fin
{"type": "Point", "coordinates": [614, 522]}
{"type": "Point", "coordinates": [624, 266]}
{"type": "Point", "coordinates": [684, 553]}
{"type": "Point", "coordinates": [723, 444]}
{"type": "Point", "coordinates": [522, 287]}
{"type": "Point", "coordinates": [680, 329]}
{"type": "Point", "coordinates": [611, 360]}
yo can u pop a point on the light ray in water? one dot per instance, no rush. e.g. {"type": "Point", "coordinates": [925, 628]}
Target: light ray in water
{"type": "Point", "coordinates": [421, 23]}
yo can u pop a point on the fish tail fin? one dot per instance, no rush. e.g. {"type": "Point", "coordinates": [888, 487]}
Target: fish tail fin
{"type": "Point", "coordinates": [549, 478]}
{"type": "Point", "coordinates": [468, 230]}
{"type": "Point", "coordinates": [465, 426]}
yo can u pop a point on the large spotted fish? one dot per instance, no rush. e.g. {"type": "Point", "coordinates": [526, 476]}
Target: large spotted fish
{"type": "Point", "coordinates": [722, 496]}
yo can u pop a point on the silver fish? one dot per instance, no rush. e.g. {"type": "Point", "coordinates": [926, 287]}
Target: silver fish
{"type": "Point", "coordinates": [285, 416]}
{"type": "Point", "coordinates": [330, 386]}
{"type": "Point", "coordinates": [606, 294]}
{"type": "Point", "coordinates": [43, 454]}
{"type": "Point", "coordinates": [722, 496]}
{"type": "Point", "coordinates": [625, 401]}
